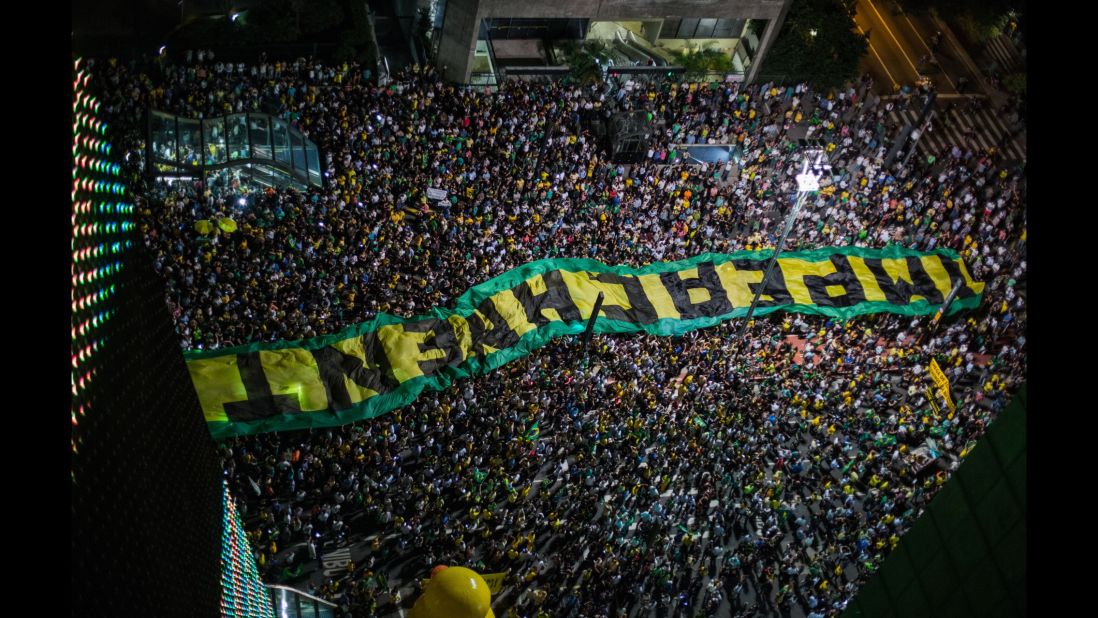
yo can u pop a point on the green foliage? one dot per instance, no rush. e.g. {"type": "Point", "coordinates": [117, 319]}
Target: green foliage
{"type": "Point", "coordinates": [975, 29]}
{"type": "Point", "coordinates": [702, 62]}
{"type": "Point", "coordinates": [830, 57]}
{"type": "Point", "coordinates": [1015, 83]}
{"type": "Point", "coordinates": [587, 61]}
{"type": "Point", "coordinates": [756, 27]}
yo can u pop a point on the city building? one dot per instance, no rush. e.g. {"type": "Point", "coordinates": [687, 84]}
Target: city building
{"type": "Point", "coordinates": [481, 39]}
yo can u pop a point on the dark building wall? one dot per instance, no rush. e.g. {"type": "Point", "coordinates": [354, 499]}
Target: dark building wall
{"type": "Point", "coordinates": [146, 495]}
{"type": "Point", "coordinates": [966, 556]}
{"type": "Point", "coordinates": [462, 23]}
{"type": "Point", "coordinates": [146, 478]}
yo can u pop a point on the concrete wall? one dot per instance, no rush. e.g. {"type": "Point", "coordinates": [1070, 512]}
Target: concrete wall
{"type": "Point", "coordinates": [459, 40]}
{"type": "Point", "coordinates": [463, 19]}
{"type": "Point", "coordinates": [768, 37]}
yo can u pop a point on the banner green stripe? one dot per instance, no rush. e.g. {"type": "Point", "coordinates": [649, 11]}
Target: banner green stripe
{"type": "Point", "coordinates": [230, 381]}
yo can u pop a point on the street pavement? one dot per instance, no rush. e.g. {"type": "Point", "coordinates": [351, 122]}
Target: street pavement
{"type": "Point", "coordinates": [905, 47]}
{"type": "Point", "coordinates": [979, 129]}
{"type": "Point", "coordinates": [1002, 55]}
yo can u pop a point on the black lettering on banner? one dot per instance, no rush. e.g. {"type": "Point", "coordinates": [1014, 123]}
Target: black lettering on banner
{"type": "Point", "coordinates": [924, 284]}
{"type": "Point", "coordinates": [843, 276]}
{"type": "Point", "coordinates": [775, 287]}
{"type": "Point", "coordinates": [335, 365]}
{"type": "Point", "coordinates": [955, 275]}
{"type": "Point", "coordinates": [640, 311]}
{"type": "Point", "coordinates": [679, 290]}
{"type": "Point", "coordinates": [495, 332]}
{"type": "Point", "coordinates": [899, 292]}
{"type": "Point", "coordinates": [443, 338]}
{"type": "Point", "coordinates": [555, 296]}
{"type": "Point", "coordinates": [261, 402]}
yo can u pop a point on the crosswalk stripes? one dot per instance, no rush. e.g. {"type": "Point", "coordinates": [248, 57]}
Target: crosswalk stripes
{"type": "Point", "coordinates": [977, 130]}
{"type": "Point", "coordinates": [1002, 51]}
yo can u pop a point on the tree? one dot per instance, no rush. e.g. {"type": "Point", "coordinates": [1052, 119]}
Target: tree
{"type": "Point", "coordinates": [702, 62]}
{"type": "Point", "coordinates": [818, 43]}
{"type": "Point", "coordinates": [587, 61]}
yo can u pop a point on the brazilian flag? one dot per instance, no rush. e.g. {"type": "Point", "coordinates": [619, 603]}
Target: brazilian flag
{"type": "Point", "coordinates": [534, 432]}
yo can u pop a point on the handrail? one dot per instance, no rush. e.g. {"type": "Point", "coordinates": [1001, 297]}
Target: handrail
{"type": "Point", "coordinates": [647, 49]}
{"type": "Point", "coordinates": [304, 594]}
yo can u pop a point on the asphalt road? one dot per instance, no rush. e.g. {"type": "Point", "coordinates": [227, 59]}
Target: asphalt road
{"type": "Point", "coordinates": [902, 49]}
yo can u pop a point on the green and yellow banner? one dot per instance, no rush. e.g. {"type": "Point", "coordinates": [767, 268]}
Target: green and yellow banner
{"type": "Point", "coordinates": [372, 368]}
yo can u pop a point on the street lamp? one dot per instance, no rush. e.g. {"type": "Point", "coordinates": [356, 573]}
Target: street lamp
{"type": "Point", "coordinates": [813, 167]}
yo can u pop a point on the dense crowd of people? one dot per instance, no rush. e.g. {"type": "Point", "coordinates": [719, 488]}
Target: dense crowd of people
{"type": "Point", "coordinates": [761, 475]}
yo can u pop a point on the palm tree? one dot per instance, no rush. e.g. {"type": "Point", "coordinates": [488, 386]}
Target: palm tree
{"type": "Point", "coordinates": [704, 61]}
{"type": "Point", "coordinates": [589, 61]}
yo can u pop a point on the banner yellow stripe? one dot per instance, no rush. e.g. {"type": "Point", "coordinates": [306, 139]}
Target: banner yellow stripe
{"type": "Point", "coordinates": [293, 371]}
{"type": "Point", "coordinates": [735, 283]}
{"type": "Point", "coordinates": [795, 271]}
{"type": "Point", "coordinates": [897, 270]}
{"type": "Point", "coordinates": [938, 274]}
{"type": "Point", "coordinates": [464, 335]}
{"type": "Point", "coordinates": [658, 296]}
{"type": "Point", "coordinates": [511, 309]}
{"type": "Point", "coordinates": [975, 286]}
{"type": "Point", "coordinates": [403, 350]}
{"type": "Point", "coordinates": [867, 279]}
{"type": "Point", "coordinates": [220, 382]}
{"type": "Point", "coordinates": [353, 347]}
{"type": "Point", "coordinates": [646, 304]}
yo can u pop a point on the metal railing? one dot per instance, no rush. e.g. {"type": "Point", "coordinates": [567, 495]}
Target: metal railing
{"type": "Point", "coordinates": [293, 603]}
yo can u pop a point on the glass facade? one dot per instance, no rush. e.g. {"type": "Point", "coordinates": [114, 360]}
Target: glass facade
{"type": "Point", "coordinates": [695, 28]}
{"type": "Point", "coordinates": [245, 148]}
{"type": "Point", "coordinates": [281, 135]}
{"type": "Point", "coordinates": [214, 133]}
{"type": "Point", "coordinates": [162, 127]}
{"type": "Point", "coordinates": [237, 126]}
{"type": "Point", "coordinates": [189, 134]}
{"type": "Point", "coordinates": [290, 603]}
{"type": "Point", "coordinates": [259, 130]}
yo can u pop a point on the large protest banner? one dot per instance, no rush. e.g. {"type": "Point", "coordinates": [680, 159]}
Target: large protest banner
{"type": "Point", "coordinates": [372, 368]}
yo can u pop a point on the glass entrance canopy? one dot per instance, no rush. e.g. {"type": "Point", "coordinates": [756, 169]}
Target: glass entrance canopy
{"type": "Point", "coordinates": [261, 143]}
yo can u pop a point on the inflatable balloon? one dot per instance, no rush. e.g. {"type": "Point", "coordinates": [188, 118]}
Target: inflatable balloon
{"type": "Point", "coordinates": [454, 592]}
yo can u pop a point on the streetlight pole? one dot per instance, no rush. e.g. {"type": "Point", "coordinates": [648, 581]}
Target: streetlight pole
{"type": "Point", "coordinates": [813, 167]}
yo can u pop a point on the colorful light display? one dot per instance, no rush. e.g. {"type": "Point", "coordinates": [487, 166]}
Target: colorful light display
{"type": "Point", "coordinates": [101, 230]}
{"type": "Point", "coordinates": [242, 592]}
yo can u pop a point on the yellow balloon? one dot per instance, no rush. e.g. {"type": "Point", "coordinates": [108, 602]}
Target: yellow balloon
{"type": "Point", "coordinates": [456, 592]}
